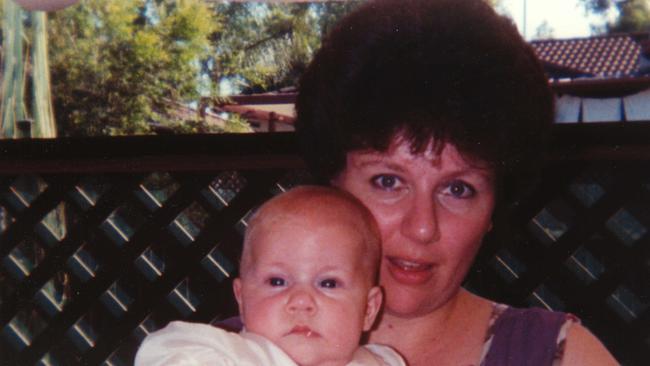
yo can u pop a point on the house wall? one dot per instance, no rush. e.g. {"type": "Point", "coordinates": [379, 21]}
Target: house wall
{"type": "Point", "coordinates": [576, 109]}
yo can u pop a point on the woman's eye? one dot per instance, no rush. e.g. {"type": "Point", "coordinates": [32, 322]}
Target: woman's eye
{"type": "Point", "coordinates": [386, 182]}
{"type": "Point", "coordinates": [277, 281]}
{"type": "Point", "coordinates": [460, 189]}
{"type": "Point", "coordinates": [329, 283]}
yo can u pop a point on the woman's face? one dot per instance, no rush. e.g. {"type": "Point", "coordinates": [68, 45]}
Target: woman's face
{"type": "Point", "coordinates": [432, 210]}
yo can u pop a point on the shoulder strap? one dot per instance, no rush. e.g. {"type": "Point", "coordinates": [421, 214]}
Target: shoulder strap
{"type": "Point", "coordinates": [524, 337]}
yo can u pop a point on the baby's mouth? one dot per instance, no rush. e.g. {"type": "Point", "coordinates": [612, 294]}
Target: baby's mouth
{"type": "Point", "coordinates": [304, 331]}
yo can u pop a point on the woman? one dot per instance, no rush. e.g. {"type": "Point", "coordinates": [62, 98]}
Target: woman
{"type": "Point", "coordinates": [433, 113]}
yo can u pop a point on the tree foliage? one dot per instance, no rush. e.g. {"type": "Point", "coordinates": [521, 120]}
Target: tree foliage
{"type": "Point", "coordinates": [117, 67]}
{"type": "Point", "coordinates": [115, 63]}
{"type": "Point", "coordinates": [633, 15]}
{"type": "Point", "coordinates": [267, 46]}
{"type": "Point", "coordinates": [544, 31]}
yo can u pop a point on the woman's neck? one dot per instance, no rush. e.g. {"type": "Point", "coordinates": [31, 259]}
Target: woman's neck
{"type": "Point", "coordinates": [454, 331]}
{"type": "Point", "coordinates": [424, 328]}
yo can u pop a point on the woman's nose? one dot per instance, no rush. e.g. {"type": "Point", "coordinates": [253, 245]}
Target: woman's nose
{"type": "Point", "coordinates": [420, 221]}
{"type": "Point", "coordinates": [301, 300]}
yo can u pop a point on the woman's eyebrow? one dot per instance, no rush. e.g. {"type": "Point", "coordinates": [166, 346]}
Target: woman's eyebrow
{"type": "Point", "coordinates": [485, 174]}
{"type": "Point", "coordinates": [372, 161]}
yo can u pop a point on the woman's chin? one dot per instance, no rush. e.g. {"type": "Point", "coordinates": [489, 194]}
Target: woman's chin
{"type": "Point", "coordinates": [406, 304]}
{"type": "Point", "coordinates": [415, 301]}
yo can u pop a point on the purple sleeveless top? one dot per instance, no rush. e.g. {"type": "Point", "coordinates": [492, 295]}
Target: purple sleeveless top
{"type": "Point", "coordinates": [531, 337]}
{"type": "Point", "coordinates": [515, 337]}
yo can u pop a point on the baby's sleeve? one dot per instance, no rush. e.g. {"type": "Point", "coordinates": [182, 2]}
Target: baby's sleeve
{"type": "Point", "coordinates": [189, 344]}
{"type": "Point", "coordinates": [185, 344]}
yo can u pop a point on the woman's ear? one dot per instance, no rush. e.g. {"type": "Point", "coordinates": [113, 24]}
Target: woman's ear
{"type": "Point", "coordinates": [236, 287]}
{"type": "Point", "coordinates": [375, 298]}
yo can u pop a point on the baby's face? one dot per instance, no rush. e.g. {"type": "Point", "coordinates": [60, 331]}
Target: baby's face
{"type": "Point", "coordinates": [307, 288]}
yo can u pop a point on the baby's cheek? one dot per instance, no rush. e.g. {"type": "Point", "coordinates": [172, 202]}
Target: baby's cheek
{"type": "Point", "coordinates": [260, 320]}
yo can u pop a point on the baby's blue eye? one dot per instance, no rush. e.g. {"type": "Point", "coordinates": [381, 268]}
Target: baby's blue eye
{"type": "Point", "coordinates": [277, 281]}
{"type": "Point", "coordinates": [329, 283]}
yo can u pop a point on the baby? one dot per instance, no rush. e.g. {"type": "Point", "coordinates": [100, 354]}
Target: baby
{"type": "Point", "coordinates": [306, 292]}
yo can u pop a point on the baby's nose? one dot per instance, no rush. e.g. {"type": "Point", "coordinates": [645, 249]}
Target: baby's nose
{"type": "Point", "coordinates": [301, 300]}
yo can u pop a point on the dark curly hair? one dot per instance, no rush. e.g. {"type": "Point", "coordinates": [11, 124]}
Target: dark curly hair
{"type": "Point", "coordinates": [441, 71]}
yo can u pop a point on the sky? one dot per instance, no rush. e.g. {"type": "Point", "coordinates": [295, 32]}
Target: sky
{"type": "Point", "coordinates": [567, 18]}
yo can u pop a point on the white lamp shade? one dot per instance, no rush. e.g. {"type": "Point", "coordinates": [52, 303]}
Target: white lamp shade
{"type": "Point", "coordinates": [45, 5]}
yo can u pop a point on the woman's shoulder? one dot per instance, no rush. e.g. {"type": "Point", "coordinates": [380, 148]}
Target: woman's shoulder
{"type": "Point", "coordinates": [584, 348]}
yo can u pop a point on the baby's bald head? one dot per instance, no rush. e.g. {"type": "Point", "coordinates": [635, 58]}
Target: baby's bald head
{"type": "Point", "coordinates": [316, 208]}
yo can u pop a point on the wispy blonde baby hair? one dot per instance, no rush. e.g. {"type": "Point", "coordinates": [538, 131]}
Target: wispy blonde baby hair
{"type": "Point", "coordinates": [328, 203]}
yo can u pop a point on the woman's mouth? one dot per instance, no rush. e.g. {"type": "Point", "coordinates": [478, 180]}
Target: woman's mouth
{"type": "Point", "coordinates": [409, 272]}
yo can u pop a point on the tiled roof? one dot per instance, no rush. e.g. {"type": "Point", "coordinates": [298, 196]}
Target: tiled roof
{"type": "Point", "coordinates": [602, 56]}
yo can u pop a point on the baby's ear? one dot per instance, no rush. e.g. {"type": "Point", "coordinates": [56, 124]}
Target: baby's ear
{"type": "Point", "coordinates": [375, 298]}
{"type": "Point", "coordinates": [236, 287]}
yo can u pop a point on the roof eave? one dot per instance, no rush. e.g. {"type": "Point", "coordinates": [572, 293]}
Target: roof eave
{"type": "Point", "coordinates": [602, 87]}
